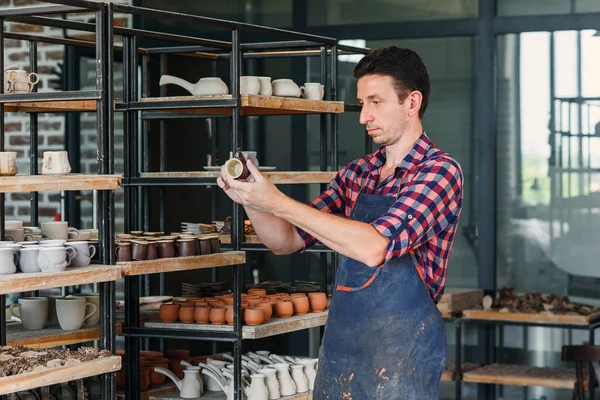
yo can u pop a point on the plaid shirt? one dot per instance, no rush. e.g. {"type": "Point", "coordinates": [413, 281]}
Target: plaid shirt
{"type": "Point", "coordinates": [428, 186]}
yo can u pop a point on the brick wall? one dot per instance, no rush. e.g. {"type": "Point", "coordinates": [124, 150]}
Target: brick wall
{"type": "Point", "coordinates": [52, 126]}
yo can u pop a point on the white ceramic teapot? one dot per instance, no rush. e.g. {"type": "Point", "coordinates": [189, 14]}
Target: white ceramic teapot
{"type": "Point", "coordinates": [190, 387]}
{"type": "Point", "coordinates": [209, 86]}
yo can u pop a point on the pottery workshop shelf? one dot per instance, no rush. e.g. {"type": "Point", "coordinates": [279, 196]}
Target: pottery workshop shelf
{"type": "Point", "coordinates": [51, 376]}
{"type": "Point", "coordinates": [222, 396]}
{"type": "Point", "coordinates": [456, 300]}
{"type": "Point", "coordinates": [72, 276]}
{"type": "Point", "coordinates": [52, 106]}
{"type": "Point", "coordinates": [523, 375]}
{"type": "Point", "coordinates": [51, 337]}
{"type": "Point", "coordinates": [450, 369]}
{"type": "Point", "coordinates": [40, 183]}
{"type": "Point", "coordinates": [275, 326]}
{"type": "Point", "coordinates": [277, 177]}
{"type": "Point", "coordinates": [250, 105]}
{"type": "Point", "coordinates": [530, 318]}
{"type": "Point", "coordinates": [182, 263]}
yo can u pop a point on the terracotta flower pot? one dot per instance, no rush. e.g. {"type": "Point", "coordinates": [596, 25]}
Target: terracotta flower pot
{"type": "Point", "coordinates": [284, 308]}
{"type": "Point", "coordinates": [254, 302]}
{"type": "Point", "coordinates": [202, 314]}
{"type": "Point", "coordinates": [267, 309]}
{"type": "Point", "coordinates": [254, 316]}
{"type": "Point", "coordinates": [186, 314]}
{"type": "Point", "coordinates": [318, 301]}
{"type": "Point", "coordinates": [217, 316]}
{"type": "Point", "coordinates": [301, 305]}
{"type": "Point", "coordinates": [169, 312]}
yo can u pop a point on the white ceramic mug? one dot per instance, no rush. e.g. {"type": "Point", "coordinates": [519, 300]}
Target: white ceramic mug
{"type": "Point", "coordinates": [8, 261]}
{"type": "Point", "coordinates": [55, 230]}
{"type": "Point", "coordinates": [266, 89]}
{"type": "Point", "coordinates": [54, 259]}
{"type": "Point", "coordinates": [8, 163]}
{"type": "Point", "coordinates": [33, 312]}
{"type": "Point", "coordinates": [83, 253]}
{"type": "Point", "coordinates": [52, 317]}
{"type": "Point", "coordinates": [73, 311]}
{"type": "Point", "coordinates": [56, 163]}
{"type": "Point", "coordinates": [28, 256]}
{"type": "Point", "coordinates": [249, 85]}
{"type": "Point", "coordinates": [313, 91]}
{"type": "Point", "coordinates": [18, 235]}
{"type": "Point", "coordinates": [20, 81]}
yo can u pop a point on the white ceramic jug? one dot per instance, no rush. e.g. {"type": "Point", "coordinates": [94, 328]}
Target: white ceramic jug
{"type": "Point", "coordinates": [258, 389]}
{"type": "Point", "coordinates": [209, 86]}
{"type": "Point", "coordinates": [190, 387]}
{"type": "Point", "coordinates": [271, 382]}
{"type": "Point", "coordinates": [287, 387]}
{"type": "Point", "coordinates": [299, 378]}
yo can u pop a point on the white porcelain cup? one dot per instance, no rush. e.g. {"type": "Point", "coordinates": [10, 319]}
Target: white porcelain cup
{"type": "Point", "coordinates": [313, 91]}
{"type": "Point", "coordinates": [54, 259]}
{"type": "Point", "coordinates": [8, 261]}
{"type": "Point", "coordinates": [265, 86]}
{"type": "Point", "coordinates": [95, 300]}
{"type": "Point", "coordinates": [249, 85]}
{"type": "Point", "coordinates": [8, 163]}
{"type": "Point", "coordinates": [83, 253]}
{"type": "Point", "coordinates": [73, 311]}
{"type": "Point", "coordinates": [33, 312]}
{"type": "Point", "coordinates": [56, 163]}
{"type": "Point", "coordinates": [20, 81]}
{"type": "Point", "coordinates": [55, 230]}
{"type": "Point", "coordinates": [28, 256]}
{"type": "Point", "coordinates": [18, 235]}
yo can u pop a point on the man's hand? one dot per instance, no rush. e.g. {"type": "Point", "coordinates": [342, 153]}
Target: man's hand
{"type": "Point", "coordinates": [258, 193]}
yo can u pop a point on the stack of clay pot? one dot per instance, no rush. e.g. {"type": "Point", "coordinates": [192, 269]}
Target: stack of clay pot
{"type": "Point", "coordinates": [148, 378]}
{"type": "Point", "coordinates": [140, 246]}
{"type": "Point", "coordinates": [257, 307]}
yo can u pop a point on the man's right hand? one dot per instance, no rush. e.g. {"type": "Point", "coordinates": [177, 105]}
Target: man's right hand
{"type": "Point", "coordinates": [222, 182]}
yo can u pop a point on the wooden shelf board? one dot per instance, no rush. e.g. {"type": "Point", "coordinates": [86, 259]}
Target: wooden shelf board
{"type": "Point", "coordinates": [51, 376]}
{"type": "Point", "coordinates": [275, 326]}
{"type": "Point", "coordinates": [257, 105]}
{"type": "Point", "coordinates": [51, 337]}
{"type": "Point", "coordinates": [23, 282]}
{"type": "Point", "coordinates": [523, 375]}
{"type": "Point", "coordinates": [182, 263]}
{"type": "Point", "coordinates": [448, 374]}
{"type": "Point", "coordinates": [539, 318]}
{"type": "Point", "coordinates": [222, 396]}
{"type": "Point", "coordinates": [456, 299]}
{"type": "Point", "coordinates": [52, 106]}
{"type": "Point", "coordinates": [39, 183]}
{"type": "Point", "coordinates": [277, 177]}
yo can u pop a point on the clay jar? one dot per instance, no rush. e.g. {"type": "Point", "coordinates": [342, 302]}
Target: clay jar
{"type": "Point", "coordinates": [202, 314]}
{"type": "Point", "coordinates": [165, 249]}
{"type": "Point", "coordinates": [169, 312]}
{"type": "Point", "coordinates": [217, 315]}
{"type": "Point", "coordinates": [151, 252]}
{"type": "Point", "coordinates": [259, 292]}
{"type": "Point", "coordinates": [186, 314]}
{"type": "Point", "coordinates": [229, 315]}
{"type": "Point", "coordinates": [186, 247]}
{"type": "Point", "coordinates": [138, 249]}
{"type": "Point", "coordinates": [123, 252]}
{"type": "Point", "coordinates": [267, 309]}
{"type": "Point", "coordinates": [204, 245]}
{"type": "Point", "coordinates": [300, 303]}
{"type": "Point", "coordinates": [284, 308]}
{"type": "Point", "coordinates": [318, 301]}
{"type": "Point", "coordinates": [254, 316]}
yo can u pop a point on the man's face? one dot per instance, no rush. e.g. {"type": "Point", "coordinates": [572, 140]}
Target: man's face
{"type": "Point", "coordinates": [384, 117]}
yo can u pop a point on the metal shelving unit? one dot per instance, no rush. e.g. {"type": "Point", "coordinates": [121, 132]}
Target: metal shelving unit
{"type": "Point", "coordinates": [105, 182]}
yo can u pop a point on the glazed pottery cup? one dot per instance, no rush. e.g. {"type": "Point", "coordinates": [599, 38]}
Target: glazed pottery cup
{"type": "Point", "coordinates": [33, 312]}
{"type": "Point", "coordinates": [56, 163]}
{"type": "Point", "coordinates": [313, 91]}
{"type": "Point", "coordinates": [186, 247]}
{"type": "Point", "coordinates": [83, 253]}
{"type": "Point", "coordinates": [55, 230]}
{"type": "Point", "coordinates": [265, 86]}
{"type": "Point", "coordinates": [123, 252]}
{"type": "Point", "coordinates": [139, 249]}
{"type": "Point", "coordinates": [8, 164]}
{"type": "Point", "coordinates": [8, 261]}
{"type": "Point", "coordinates": [28, 256]}
{"type": "Point", "coordinates": [54, 259]}
{"type": "Point", "coordinates": [236, 168]}
{"type": "Point", "coordinates": [73, 311]}
{"type": "Point", "coordinates": [151, 253]}
{"type": "Point", "coordinates": [165, 249]}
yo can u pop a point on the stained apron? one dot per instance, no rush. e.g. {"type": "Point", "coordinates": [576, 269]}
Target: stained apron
{"type": "Point", "coordinates": [384, 337]}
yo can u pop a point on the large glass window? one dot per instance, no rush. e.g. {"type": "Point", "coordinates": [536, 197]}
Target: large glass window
{"type": "Point", "coordinates": [546, 7]}
{"type": "Point", "coordinates": [337, 12]}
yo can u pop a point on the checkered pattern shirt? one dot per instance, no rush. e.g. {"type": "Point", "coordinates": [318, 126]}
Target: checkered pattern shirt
{"type": "Point", "coordinates": [428, 186]}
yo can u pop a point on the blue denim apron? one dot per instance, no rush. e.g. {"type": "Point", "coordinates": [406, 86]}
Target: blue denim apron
{"type": "Point", "coordinates": [384, 337]}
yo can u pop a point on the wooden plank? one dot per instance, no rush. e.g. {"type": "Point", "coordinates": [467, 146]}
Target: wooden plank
{"type": "Point", "coordinates": [523, 375]}
{"type": "Point", "coordinates": [277, 177]}
{"type": "Point", "coordinates": [538, 318]}
{"type": "Point", "coordinates": [258, 105]}
{"type": "Point", "coordinates": [51, 376]}
{"type": "Point", "coordinates": [51, 337]}
{"type": "Point", "coordinates": [182, 263]}
{"type": "Point", "coordinates": [23, 282]}
{"type": "Point", "coordinates": [222, 396]}
{"type": "Point", "coordinates": [457, 299]}
{"type": "Point", "coordinates": [275, 326]}
{"type": "Point", "coordinates": [450, 368]}
{"type": "Point", "coordinates": [52, 106]}
{"type": "Point", "coordinates": [39, 183]}
{"type": "Point", "coordinates": [226, 239]}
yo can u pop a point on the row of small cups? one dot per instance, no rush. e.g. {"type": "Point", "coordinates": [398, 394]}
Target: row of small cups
{"type": "Point", "coordinates": [52, 255]}
{"type": "Point", "coordinates": [70, 312]}
{"type": "Point", "coordinates": [15, 231]}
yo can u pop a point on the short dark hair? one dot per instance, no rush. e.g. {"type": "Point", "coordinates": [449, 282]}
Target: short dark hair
{"type": "Point", "coordinates": [404, 66]}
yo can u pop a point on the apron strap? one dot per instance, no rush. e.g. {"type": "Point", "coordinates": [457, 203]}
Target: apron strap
{"type": "Point", "coordinates": [367, 283]}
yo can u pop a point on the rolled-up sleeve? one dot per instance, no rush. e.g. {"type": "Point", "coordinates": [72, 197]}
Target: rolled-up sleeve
{"type": "Point", "coordinates": [330, 201]}
{"type": "Point", "coordinates": [427, 203]}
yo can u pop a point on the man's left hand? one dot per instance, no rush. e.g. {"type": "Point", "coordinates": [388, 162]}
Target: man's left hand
{"type": "Point", "coordinates": [259, 193]}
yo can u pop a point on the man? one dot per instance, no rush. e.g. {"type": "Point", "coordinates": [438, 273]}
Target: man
{"type": "Point", "coordinates": [392, 216]}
